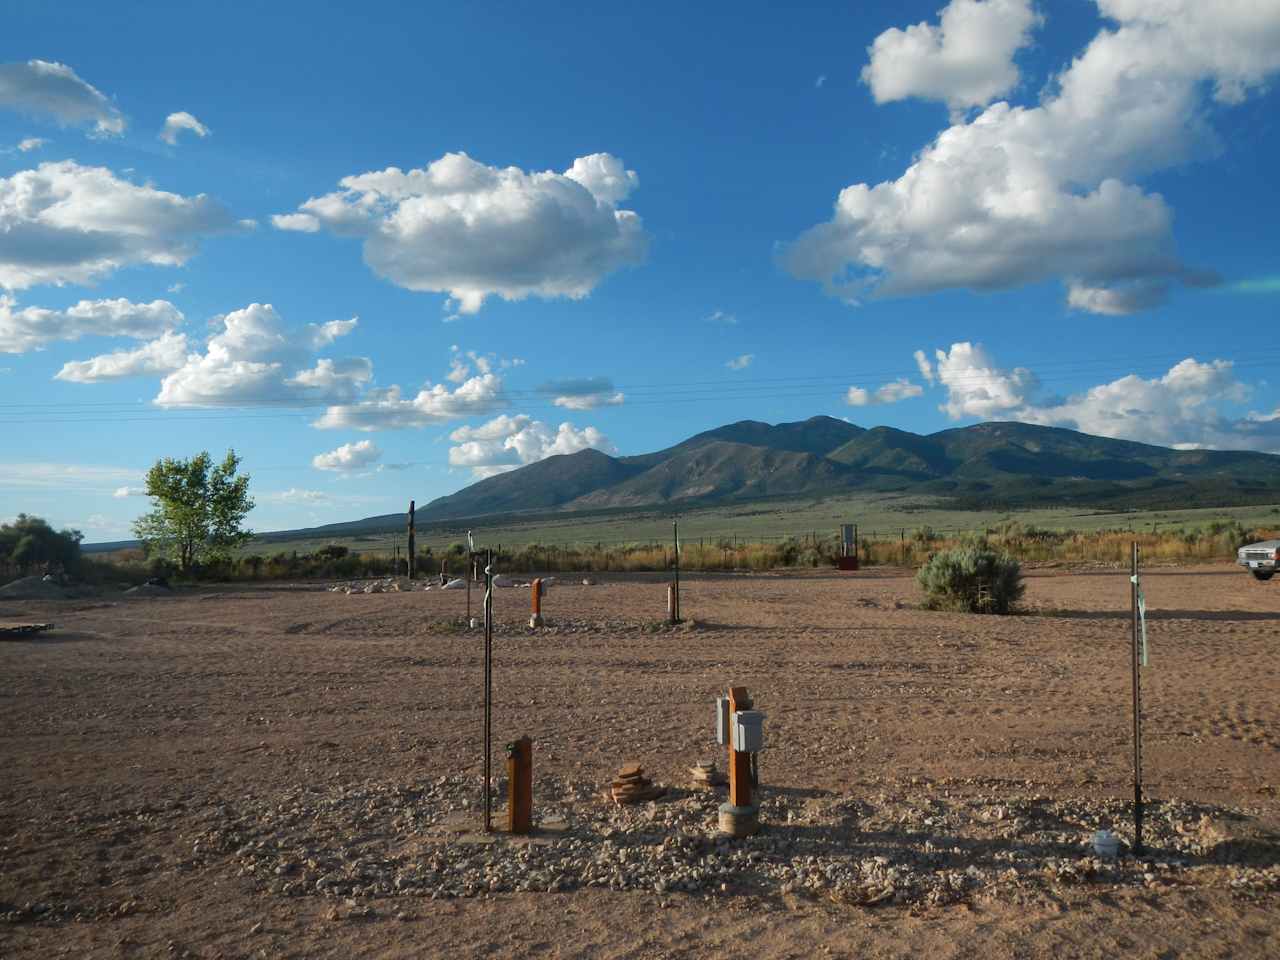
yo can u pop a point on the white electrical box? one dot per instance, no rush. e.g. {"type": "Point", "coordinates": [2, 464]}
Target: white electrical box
{"type": "Point", "coordinates": [748, 731]}
{"type": "Point", "coordinates": [722, 721]}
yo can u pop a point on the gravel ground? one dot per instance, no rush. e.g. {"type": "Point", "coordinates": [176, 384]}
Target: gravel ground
{"type": "Point", "coordinates": [290, 771]}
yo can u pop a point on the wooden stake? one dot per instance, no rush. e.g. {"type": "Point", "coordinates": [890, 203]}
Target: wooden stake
{"type": "Point", "coordinates": [520, 786]}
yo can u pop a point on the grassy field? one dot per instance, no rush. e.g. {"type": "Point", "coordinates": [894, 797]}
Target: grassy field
{"type": "Point", "coordinates": [879, 517]}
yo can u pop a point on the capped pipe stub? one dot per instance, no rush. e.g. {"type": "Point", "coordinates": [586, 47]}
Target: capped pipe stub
{"type": "Point", "coordinates": [1106, 844]}
{"type": "Point", "coordinates": [738, 821]}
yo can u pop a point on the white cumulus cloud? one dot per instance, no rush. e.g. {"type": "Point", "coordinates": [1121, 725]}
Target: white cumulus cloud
{"type": "Point", "coordinates": [1187, 407]}
{"type": "Point", "coordinates": [30, 328]}
{"type": "Point", "coordinates": [162, 355]}
{"type": "Point", "coordinates": [965, 61]}
{"type": "Point", "coordinates": [976, 386]}
{"type": "Point", "coordinates": [31, 143]}
{"type": "Point", "coordinates": [507, 442]}
{"type": "Point", "coordinates": [122, 492]}
{"type": "Point", "coordinates": [390, 409]}
{"type": "Point", "coordinates": [348, 457]}
{"type": "Point", "coordinates": [1021, 194]}
{"type": "Point", "coordinates": [44, 88]}
{"type": "Point", "coordinates": [254, 358]}
{"type": "Point", "coordinates": [66, 223]}
{"type": "Point", "coordinates": [473, 231]}
{"type": "Point", "coordinates": [741, 362]}
{"type": "Point", "coordinates": [176, 123]}
{"type": "Point", "coordinates": [892, 392]}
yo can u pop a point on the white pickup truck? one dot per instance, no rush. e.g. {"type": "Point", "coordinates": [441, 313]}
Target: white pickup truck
{"type": "Point", "coordinates": [1261, 559]}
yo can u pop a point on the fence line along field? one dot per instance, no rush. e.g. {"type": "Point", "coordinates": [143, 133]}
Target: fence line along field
{"type": "Point", "coordinates": [880, 516]}
{"type": "Point", "coordinates": [275, 769]}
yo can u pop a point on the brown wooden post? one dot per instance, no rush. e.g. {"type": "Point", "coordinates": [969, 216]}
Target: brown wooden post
{"type": "Point", "coordinates": [536, 602]}
{"type": "Point", "coordinates": [520, 786]}
{"type": "Point", "coordinates": [413, 551]}
{"type": "Point", "coordinates": [739, 762]}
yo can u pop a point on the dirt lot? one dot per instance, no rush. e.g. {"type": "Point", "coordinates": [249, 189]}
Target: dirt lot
{"type": "Point", "coordinates": [288, 772]}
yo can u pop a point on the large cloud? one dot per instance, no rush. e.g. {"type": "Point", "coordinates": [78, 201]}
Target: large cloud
{"type": "Point", "coordinates": [474, 231]}
{"type": "Point", "coordinates": [39, 87]}
{"type": "Point", "coordinates": [976, 386]}
{"type": "Point", "coordinates": [30, 328]}
{"type": "Point", "coordinates": [1018, 194]}
{"type": "Point", "coordinates": [254, 358]}
{"type": "Point", "coordinates": [65, 223]}
{"type": "Point", "coordinates": [506, 442]}
{"type": "Point", "coordinates": [163, 355]}
{"type": "Point", "coordinates": [348, 457]}
{"type": "Point", "coordinates": [1188, 406]}
{"type": "Point", "coordinates": [965, 61]}
{"type": "Point", "coordinates": [389, 409]}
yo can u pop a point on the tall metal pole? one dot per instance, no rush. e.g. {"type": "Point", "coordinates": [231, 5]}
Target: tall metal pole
{"type": "Point", "coordinates": [1137, 706]}
{"type": "Point", "coordinates": [675, 534]}
{"type": "Point", "coordinates": [413, 550]}
{"type": "Point", "coordinates": [488, 690]}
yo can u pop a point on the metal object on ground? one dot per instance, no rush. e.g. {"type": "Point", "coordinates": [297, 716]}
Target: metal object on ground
{"type": "Point", "coordinates": [520, 786]}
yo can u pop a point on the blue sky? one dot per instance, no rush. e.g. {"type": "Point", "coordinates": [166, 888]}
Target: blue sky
{"type": "Point", "coordinates": [636, 224]}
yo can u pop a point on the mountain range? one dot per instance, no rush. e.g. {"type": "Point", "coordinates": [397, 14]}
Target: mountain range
{"type": "Point", "coordinates": [992, 465]}
{"type": "Point", "coordinates": [987, 465]}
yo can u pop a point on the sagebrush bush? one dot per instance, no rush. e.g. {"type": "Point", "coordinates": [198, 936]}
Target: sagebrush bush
{"type": "Point", "coordinates": [973, 578]}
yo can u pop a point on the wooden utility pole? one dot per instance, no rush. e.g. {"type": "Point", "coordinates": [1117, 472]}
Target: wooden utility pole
{"type": "Point", "coordinates": [413, 553]}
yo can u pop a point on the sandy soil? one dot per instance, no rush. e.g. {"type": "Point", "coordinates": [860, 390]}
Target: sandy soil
{"type": "Point", "coordinates": [162, 757]}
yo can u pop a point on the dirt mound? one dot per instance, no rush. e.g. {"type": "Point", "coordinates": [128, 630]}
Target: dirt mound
{"type": "Point", "coordinates": [33, 588]}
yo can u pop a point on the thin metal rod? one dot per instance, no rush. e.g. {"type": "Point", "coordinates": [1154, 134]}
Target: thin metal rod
{"type": "Point", "coordinates": [488, 691]}
{"type": "Point", "coordinates": [1137, 706]}
{"type": "Point", "coordinates": [675, 534]}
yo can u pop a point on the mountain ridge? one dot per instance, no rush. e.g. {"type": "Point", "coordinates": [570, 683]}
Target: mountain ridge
{"type": "Point", "coordinates": [996, 464]}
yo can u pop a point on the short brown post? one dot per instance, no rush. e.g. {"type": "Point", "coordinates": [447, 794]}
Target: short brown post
{"type": "Point", "coordinates": [536, 602]}
{"type": "Point", "coordinates": [671, 603]}
{"type": "Point", "coordinates": [520, 786]}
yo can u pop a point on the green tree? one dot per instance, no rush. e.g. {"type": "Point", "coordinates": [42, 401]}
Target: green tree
{"type": "Point", "coordinates": [199, 507]}
{"type": "Point", "coordinates": [29, 542]}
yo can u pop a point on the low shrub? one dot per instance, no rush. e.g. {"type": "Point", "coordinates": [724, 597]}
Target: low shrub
{"type": "Point", "coordinates": [974, 578]}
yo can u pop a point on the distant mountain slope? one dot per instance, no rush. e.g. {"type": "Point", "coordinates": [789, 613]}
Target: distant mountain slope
{"type": "Point", "coordinates": [1016, 464]}
{"type": "Point", "coordinates": [1004, 465]}
{"type": "Point", "coordinates": [546, 484]}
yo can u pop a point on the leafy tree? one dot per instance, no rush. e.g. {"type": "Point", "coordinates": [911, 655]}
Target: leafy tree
{"type": "Point", "coordinates": [199, 507]}
{"type": "Point", "coordinates": [29, 542]}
